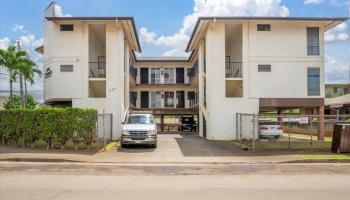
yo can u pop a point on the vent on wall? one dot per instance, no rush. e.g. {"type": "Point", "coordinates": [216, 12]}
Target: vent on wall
{"type": "Point", "coordinates": [66, 68]}
{"type": "Point", "coordinates": [263, 27]}
{"type": "Point", "coordinates": [264, 68]}
{"type": "Point", "coordinates": [66, 27]}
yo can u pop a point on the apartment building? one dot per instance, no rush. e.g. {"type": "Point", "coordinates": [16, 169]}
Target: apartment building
{"type": "Point", "coordinates": [165, 86]}
{"type": "Point", "coordinates": [236, 65]}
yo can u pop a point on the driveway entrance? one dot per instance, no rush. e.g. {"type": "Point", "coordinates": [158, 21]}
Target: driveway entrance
{"type": "Point", "coordinates": [179, 148]}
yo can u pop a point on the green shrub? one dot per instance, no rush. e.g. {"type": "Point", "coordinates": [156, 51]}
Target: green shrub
{"type": "Point", "coordinates": [52, 125]}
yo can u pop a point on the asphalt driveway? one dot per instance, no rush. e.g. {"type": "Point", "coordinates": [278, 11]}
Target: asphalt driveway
{"type": "Point", "coordinates": [184, 148]}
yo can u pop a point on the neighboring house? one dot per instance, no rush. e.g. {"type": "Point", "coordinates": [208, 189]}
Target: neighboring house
{"type": "Point", "coordinates": [237, 65]}
{"type": "Point", "coordinates": [335, 90]}
{"type": "Point", "coordinates": [337, 101]}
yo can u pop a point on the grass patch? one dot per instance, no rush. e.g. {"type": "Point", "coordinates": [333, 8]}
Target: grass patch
{"type": "Point", "coordinates": [294, 145]}
{"type": "Point", "coordinates": [325, 157]}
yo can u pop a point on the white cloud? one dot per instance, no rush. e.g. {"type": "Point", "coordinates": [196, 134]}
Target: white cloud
{"type": "Point", "coordinates": [338, 33]}
{"type": "Point", "coordinates": [59, 12]}
{"type": "Point", "coordinates": [178, 41]}
{"type": "Point", "coordinates": [337, 71]}
{"type": "Point", "coordinates": [29, 40]}
{"type": "Point", "coordinates": [38, 42]}
{"type": "Point", "coordinates": [4, 42]}
{"type": "Point", "coordinates": [313, 1]}
{"type": "Point", "coordinates": [147, 36]}
{"type": "Point", "coordinates": [19, 28]}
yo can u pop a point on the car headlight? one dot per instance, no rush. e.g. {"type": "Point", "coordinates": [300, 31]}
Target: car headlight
{"type": "Point", "coordinates": [152, 132]}
{"type": "Point", "coordinates": [125, 132]}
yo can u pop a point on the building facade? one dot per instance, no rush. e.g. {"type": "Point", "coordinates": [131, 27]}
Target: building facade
{"type": "Point", "coordinates": [236, 65]}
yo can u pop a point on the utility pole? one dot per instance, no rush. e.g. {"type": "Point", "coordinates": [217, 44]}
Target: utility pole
{"type": "Point", "coordinates": [20, 77]}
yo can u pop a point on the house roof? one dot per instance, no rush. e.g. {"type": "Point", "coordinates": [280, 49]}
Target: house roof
{"type": "Point", "coordinates": [128, 24]}
{"type": "Point", "coordinates": [200, 25]}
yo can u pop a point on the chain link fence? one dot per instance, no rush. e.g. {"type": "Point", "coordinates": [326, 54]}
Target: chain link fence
{"type": "Point", "coordinates": [297, 132]}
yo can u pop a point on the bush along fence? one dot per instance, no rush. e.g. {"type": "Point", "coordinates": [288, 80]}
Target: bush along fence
{"type": "Point", "coordinates": [52, 125]}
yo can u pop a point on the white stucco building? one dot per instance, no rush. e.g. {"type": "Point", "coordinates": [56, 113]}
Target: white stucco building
{"type": "Point", "coordinates": [237, 65]}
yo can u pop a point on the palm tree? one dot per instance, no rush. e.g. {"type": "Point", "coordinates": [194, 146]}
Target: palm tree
{"type": "Point", "coordinates": [28, 70]}
{"type": "Point", "coordinates": [12, 59]}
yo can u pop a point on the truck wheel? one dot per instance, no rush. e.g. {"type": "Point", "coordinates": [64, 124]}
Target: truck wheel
{"type": "Point", "coordinates": [123, 145]}
{"type": "Point", "coordinates": [154, 145]}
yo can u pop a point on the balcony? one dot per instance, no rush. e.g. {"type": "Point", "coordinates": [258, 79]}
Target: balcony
{"type": "Point", "coordinates": [97, 69]}
{"type": "Point", "coordinates": [193, 71]}
{"type": "Point", "coordinates": [333, 95]}
{"type": "Point", "coordinates": [233, 70]}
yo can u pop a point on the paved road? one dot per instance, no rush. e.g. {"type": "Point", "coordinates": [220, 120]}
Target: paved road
{"type": "Point", "coordinates": [95, 181]}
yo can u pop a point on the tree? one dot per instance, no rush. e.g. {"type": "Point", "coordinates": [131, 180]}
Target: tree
{"type": "Point", "coordinates": [28, 70]}
{"type": "Point", "coordinates": [12, 58]}
{"type": "Point", "coordinates": [16, 102]}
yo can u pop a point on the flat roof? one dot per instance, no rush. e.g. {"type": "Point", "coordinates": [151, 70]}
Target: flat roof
{"type": "Point", "coordinates": [332, 21]}
{"type": "Point", "coordinates": [131, 19]}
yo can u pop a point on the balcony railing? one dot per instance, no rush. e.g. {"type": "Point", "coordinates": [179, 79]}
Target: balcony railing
{"type": "Point", "coordinates": [233, 69]}
{"type": "Point", "coordinates": [192, 103]}
{"type": "Point", "coordinates": [333, 95]}
{"type": "Point", "coordinates": [193, 71]}
{"type": "Point", "coordinates": [133, 72]}
{"type": "Point", "coordinates": [97, 69]}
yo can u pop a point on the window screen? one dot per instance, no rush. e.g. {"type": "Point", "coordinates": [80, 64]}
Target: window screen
{"type": "Point", "coordinates": [66, 68]}
{"type": "Point", "coordinates": [263, 27]}
{"type": "Point", "coordinates": [313, 81]}
{"type": "Point", "coordinates": [264, 68]}
{"type": "Point", "coordinates": [313, 41]}
{"type": "Point", "coordinates": [66, 27]}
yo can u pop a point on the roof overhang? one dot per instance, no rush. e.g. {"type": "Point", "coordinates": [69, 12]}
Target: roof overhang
{"type": "Point", "coordinates": [40, 49]}
{"type": "Point", "coordinates": [127, 23]}
{"type": "Point", "coordinates": [203, 22]}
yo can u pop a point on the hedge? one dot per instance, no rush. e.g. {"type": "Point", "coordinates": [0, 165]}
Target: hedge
{"type": "Point", "coordinates": [53, 125]}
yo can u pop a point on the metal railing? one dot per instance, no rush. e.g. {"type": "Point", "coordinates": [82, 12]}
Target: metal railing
{"type": "Point", "coordinates": [193, 72]}
{"type": "Point", "coordinates": [333, 95]}
{"type": "Point", "coordinates": [97, 69]}
{"type": "Point", "coordinates": [233, 69]}
{"type": "Point", "coordinates": [133, 72]}
{"type": "Point", "coordinates": [193, 103]}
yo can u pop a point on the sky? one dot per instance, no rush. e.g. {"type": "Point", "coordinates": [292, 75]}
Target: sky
{"type": "Point", "coordinates": [164, 26]}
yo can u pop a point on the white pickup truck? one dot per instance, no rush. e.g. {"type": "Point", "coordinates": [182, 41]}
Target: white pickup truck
{"type": "Point", "coordinates": [139, 129]}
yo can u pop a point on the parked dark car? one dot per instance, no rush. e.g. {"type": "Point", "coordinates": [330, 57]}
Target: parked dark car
{"type": "Point", "coordinates": [187, 123]}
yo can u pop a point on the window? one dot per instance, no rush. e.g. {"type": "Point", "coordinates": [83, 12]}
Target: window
{"type": "Point", "coordinates": [66, 68]}
{"type": "Point", "coordinates": [264, 68]}
{"type": "Point", "coordinates": [313, 81]}
{"type": "Point", "coordinates": [169, 75]}
{"type": "Point", "coordinates": [313, 41]}
{"type": "Point", "coordinates": [155, 75]}
{"type": "Point", "coordinates": [169, 99]}
{"type": "Point", "coordinates": [263, 27]}
{"type": "Point", "coordinates": [155, 100]}
{"type": "Point", "coordinates": [66, 27]}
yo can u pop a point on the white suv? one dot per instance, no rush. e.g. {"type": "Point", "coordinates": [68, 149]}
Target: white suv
{"type": "Point", "coordinates": [139, 129]}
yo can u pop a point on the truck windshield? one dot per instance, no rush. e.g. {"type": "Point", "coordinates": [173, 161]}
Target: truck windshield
{"type": "Point", "coordinates": [140, 120]}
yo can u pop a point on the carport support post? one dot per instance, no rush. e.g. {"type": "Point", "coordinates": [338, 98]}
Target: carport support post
{"type": "Point", "coordinates": [161, 122]}
{"type": "Point", "coordinates": [321, 125]}
{"type": "Point", "coordinates": [254, 121]}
